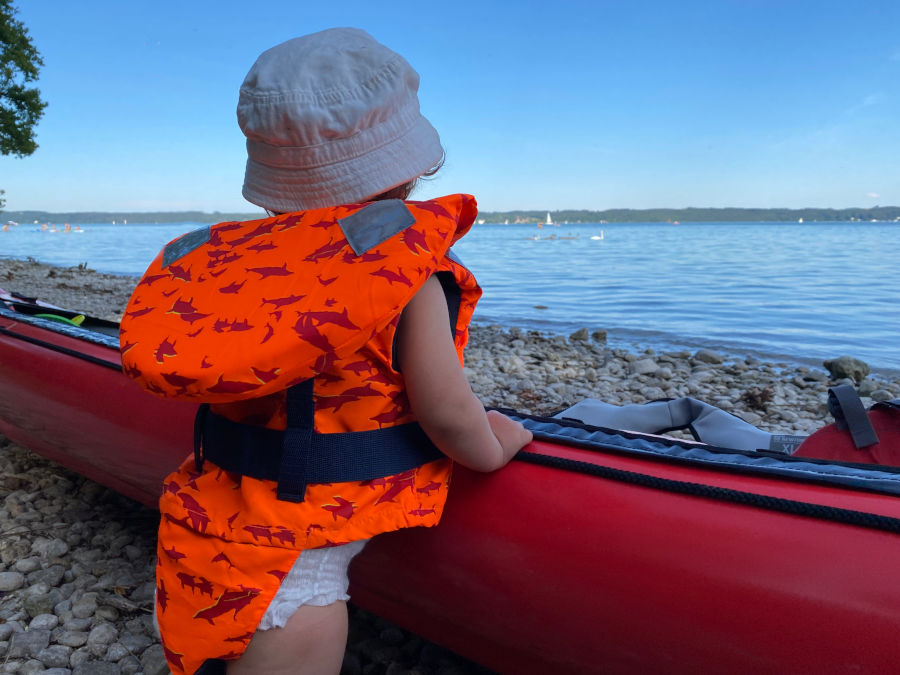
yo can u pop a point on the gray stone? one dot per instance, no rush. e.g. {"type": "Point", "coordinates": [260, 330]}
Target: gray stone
{"type": "Point", "coordinates": [703, 375]}
{"type": "Point", "coordinates": [145, 591]}
{"type": "Point", "coordinates": [72, 638]}
{"type": "Point", "coordinates": [49, 548]}
{"type": "Point", "coordinates": [130, 665]}
{"type": "Point", "coordinates": [708, 356]}
{"type": "Point", "coordinates": [84, 581]}
{"type": "Point", "coordinates": [133, 552]}
{"type": "Point", "coordinates": [599, 335]}
{"type": "Point", "coordinates": [107, 613]}
{"type": "Point", "coordinates": [55, 656]}
{"type": "Point", "coordinates": [86, 606]}
{"type": "Point", "coordinates": [881, 395]}
{"type": "Point", "coordinates": [153, 661]}
{"type": "Point", "coordinates": [47, 621]}
{"type": "Point", "coordinates": [57, 671]}
{"type": "Point", "coordinates": [866, 387]}
{"type": "Point", "coordinates": [116, 652]}
{"type": "Point", "coordinates": [750, 417]}
{"type": "Point", "coordinates": [135, 643]}
{"type": "Point", "coordinates": [643, 367]}
{"type": "Point", "coordinates": [77, 624]}
{"type": "Point", "coordinates": [100, 637]}
{"type": "Point", "coordinates": [90, 491]}
{"type": "Point", "coordinates": [847, 367]}
{"type": "Point", "coordinates": [652, 393]}
{"type": "Point", "coordinates": [580, 335]}
{"type": "Point", "coordinates": [87, 555]}
{"type": "Point", "coordinates": [79, 656]}
{"type": "Point", "coordinates": [30, 667]}
{"type": "Point", "coordinates": [38, 604]}
{"type": "Point", "coordinates": [26, 565]}
{"type": "Point", "coordinates": [51, 576]}
{"type": "Point", "coordinates": [16, 625]}
{"type": "Point", "coordinates": [96, 668]}
{"type": "Point", "coordinates": [28, 643]}
{"type": "Point", "coordinates": [6, 630]}
{"type": "Point", "coordinates": [66, 589]}
{"type": "Point", "coordinates": [11, 581]}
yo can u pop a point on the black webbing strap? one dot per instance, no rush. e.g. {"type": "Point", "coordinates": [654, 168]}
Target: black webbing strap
{"type": "Point", "coordinates": [850, 415]}
{"type": "Point", "coordinates": [298, 460]}
{"type": "Point", "coordinates": [300, 455]}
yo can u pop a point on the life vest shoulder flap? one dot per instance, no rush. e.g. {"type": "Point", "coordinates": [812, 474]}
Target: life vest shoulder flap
{"type": "Point", "coordinates": [240, 310]}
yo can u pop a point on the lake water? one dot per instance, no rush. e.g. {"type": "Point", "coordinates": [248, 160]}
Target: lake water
{"type": "Point", "coordinates": [800, 292]}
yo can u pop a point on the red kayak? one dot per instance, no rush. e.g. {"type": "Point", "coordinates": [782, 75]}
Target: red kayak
{"type": "Point", "coordinates": [596, 551]}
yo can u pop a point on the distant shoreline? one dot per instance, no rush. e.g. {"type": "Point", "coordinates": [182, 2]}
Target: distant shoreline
{"type": "Point", "coordinates": [687, 215]}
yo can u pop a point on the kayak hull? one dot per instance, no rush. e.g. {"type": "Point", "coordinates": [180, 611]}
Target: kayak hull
{"type": "Point", "coordinates": [539, 567]}
{"type": "Point", "coordinates": [622, 581]}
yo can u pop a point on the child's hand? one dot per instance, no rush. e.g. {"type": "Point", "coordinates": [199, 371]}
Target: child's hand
{"type": "Point", "coordinates": [511, 435]}
{"type": "Point", "coordinates": [439, 394]}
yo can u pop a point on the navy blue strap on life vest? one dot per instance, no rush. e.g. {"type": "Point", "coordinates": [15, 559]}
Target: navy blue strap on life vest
{"type": "Point", "coordinates": [299, 455]}
{"type": "Point", "coordinates": [850, 415]}
{"type": "Point", "coordinates": [299, 459]}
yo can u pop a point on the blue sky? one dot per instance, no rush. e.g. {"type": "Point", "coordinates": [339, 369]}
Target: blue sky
{"type": "Point", "coordinates": [540, 105]}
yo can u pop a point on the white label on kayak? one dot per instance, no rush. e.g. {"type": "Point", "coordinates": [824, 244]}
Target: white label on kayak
{"type": "Point", "coordinates": [785, 443]}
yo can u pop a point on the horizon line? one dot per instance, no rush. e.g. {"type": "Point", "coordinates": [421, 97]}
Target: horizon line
{"type": "Point", "coordinates": [540, 210]}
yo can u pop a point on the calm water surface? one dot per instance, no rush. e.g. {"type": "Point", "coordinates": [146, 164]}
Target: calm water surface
{"type": "Point", "coordinates": [798, 292]}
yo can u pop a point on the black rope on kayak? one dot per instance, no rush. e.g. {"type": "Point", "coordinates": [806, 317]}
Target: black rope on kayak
{"type": "Point", "coordinates": [793, 507]}
{"type": "Point", "coordinates": [63, 350]}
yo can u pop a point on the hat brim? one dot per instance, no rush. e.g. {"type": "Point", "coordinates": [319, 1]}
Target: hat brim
{"type": "Point", "coordinates": [346, 182]}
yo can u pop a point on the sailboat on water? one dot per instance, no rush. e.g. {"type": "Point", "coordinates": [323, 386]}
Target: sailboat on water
{"type": "Point", "coordinates": [548, 223]}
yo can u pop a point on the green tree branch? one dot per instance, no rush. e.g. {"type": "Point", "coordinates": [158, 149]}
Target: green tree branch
{"type": "Point", "coordinates": [20, 105]}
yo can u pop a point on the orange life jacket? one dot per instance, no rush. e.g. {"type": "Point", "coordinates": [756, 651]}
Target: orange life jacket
{"type": "Point", "coordinates": [237, 316]}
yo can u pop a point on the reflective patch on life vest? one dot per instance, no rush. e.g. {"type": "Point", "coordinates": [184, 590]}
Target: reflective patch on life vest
{"type": "Point", "coordinates": [184, 245]}
{"type": "Point", "coordinates": [375, 223]}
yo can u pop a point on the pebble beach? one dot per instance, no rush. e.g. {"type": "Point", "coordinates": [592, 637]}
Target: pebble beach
{"type": "Point", "coordinates": [77, 560]}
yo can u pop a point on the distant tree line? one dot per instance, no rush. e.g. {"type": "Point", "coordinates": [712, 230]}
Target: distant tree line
{"type": "Point", "coordinates": [689, 215]}
{"type": "Point", "coordinates": [694, 215]}
{"type": "Point", "coordinates": [91, 217]}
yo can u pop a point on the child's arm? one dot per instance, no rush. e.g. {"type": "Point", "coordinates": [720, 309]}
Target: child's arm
{"type": "Point", "coordinates": [439, 393]}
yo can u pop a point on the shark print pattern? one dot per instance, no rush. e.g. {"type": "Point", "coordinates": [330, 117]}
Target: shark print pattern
{"type": "Point", "coordinates": [287, 289]}
{"type": "Point", "coordinates": [225, 541]}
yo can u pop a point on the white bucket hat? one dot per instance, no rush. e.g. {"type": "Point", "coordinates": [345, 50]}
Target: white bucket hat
{"type": "Point", "coordinates": [332, 118]}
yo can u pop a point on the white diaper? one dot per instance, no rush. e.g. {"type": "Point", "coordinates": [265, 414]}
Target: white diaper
{"type": "Point", "coordinates": [319, 577]}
